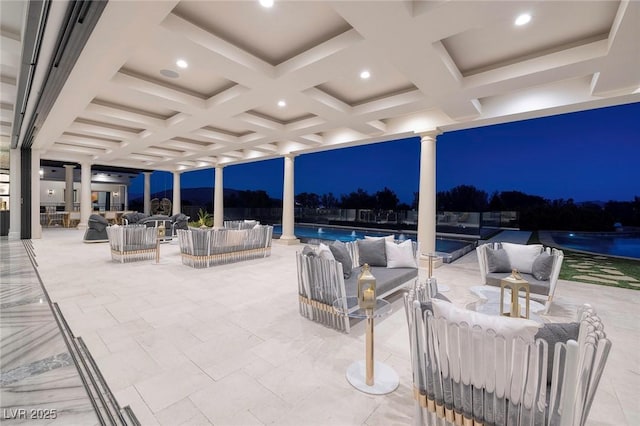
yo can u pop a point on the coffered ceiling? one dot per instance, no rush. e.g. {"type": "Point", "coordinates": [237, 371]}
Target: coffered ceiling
{"type": "Point", "coordinates": [432, 64]}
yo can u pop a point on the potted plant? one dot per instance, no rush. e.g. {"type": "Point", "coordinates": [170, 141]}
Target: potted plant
{"type": "Point", "coordinates": [203, 219]}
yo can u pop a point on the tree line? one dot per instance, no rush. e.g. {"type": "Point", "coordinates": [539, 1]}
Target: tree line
{"type": "Point", "coordinates": [535, 212]}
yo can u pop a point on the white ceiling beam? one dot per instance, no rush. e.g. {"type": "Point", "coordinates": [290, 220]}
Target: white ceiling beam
{"type": "Point", "coordinates": [124, 115]}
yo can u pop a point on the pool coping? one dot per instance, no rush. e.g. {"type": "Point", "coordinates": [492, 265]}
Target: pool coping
{"type": "Point", "coordinates": [453, 256]}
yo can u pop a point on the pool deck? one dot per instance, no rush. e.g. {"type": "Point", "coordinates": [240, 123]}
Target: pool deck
{"type": "Point", "coordinates": [510, 236]}
{"type": "Point", "coordinates": [227, 345]}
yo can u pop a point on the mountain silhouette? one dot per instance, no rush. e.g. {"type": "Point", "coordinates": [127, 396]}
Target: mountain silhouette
{"type": "Point", "coordinates": [202, 195]}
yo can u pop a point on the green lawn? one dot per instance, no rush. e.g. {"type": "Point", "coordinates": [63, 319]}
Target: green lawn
{"type": "Point", "coordinates": [598, 269]}
{"type": "Point", "coordinates": [602, 270]}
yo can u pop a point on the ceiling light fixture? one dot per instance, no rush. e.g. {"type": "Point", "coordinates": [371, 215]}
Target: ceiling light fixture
{"type": "Point", "coordinates": [182, 63]}
{"type": "Point", "coordinates": [169, 73]}
{"type": "Point", "coordinates": [282, 103]}
{"type": "Point", "coordinates": [523, 19]}
{"type": "Point", "coordinates": [365, 74]}
{"type": "Point", "coordinates": [266, 3]}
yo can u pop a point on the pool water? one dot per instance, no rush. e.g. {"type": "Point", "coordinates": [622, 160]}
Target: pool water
{"type": "Point", "coordinates": [625, 244]}
{"type": "Point", "coordinates": [332, 234]}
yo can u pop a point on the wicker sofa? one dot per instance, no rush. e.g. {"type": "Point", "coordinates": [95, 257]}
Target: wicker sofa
{"type": "Point", "coordinates": [322, 280]}
{"type": "Point", "coordinates": [539, 265]}
{"type": "Point", "coordinates": [201, 248]}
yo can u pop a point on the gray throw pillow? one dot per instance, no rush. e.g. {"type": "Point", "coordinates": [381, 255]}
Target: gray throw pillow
{"type": "Point", "coordinates": [308, 251]}
{"type": "Point", "coordinates": [372, 252]}
{"type": "Point", "coordinates": [541, 269]}
{"type": "Point", "coordinates": [341, 253]}
{"type": "Point", "coordinates": [554, 333]}
{"type": "Point", "coordinates": [498, 260]}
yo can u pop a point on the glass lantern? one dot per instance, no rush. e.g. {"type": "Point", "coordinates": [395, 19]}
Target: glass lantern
{"type": "Point", "coordinates": [366, 289]}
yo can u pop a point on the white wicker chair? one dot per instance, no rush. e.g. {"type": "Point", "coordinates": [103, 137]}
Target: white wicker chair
{"type": "Point", "coordinates": [130, 243]}
{"type": "Point", "coordinates": [466, 375]}
{"type": "Point", "coordinates": [550, 285]}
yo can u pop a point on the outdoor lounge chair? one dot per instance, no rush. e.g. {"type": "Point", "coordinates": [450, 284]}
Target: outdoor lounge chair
{"type": "Point", "coordinates": [539, 266]}
{"type": "Point", "coordinates": [96, 230]}
{"type": "Point", "coordinates": [130, 243]}
{"type": "Point", "coordinates": [475, 369]}
{"type": "Point", "coordinates": [133, 218]}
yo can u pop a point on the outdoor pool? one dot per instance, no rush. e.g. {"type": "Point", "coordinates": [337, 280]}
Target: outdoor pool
{"type": "Point", "coordinates": [625, 244]}
{"type": "Point", "coordinates": [343, 234]}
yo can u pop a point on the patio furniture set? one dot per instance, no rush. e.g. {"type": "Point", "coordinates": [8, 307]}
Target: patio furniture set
{"type": "Point", "coordinates": [140, 239]}
{"type": "Point", "coordinates": [469, 368]}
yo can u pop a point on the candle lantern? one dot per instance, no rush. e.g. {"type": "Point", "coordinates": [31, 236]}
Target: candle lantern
{"type": "Point", "coordinates": [161, 230]}
{"type": "Point", "coordinates": [366, 288]}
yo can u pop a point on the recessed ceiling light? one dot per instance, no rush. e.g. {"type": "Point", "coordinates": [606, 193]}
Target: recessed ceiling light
{"type": "Point", "coordinates": [169, 73]}
{"type": "Point", "coordinates": [523, 19]}
{"type": "Point", "coordinates": [266, 3]}
{"type": "Point", "coordinates": [282, 103]}
{"type": "Point", "coordinates": [182, 63]}
{"type": "Point", "coordinates": [365, 74]}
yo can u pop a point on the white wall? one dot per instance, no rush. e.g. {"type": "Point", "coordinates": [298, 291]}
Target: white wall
{"type": "Point", "coordinates": [57, 197]}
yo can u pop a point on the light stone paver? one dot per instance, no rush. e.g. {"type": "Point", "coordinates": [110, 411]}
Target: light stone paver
{"type": "Point", "coordinates": [591, 278]}
{"type": "Point", "coordinates": [611, 271]}
{"type": "Point", "coordinates": [221, 311]}
{"type": "Point", "coordinates": [617, 277]}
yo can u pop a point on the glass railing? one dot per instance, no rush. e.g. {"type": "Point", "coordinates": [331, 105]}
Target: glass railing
{"type": "Point", "coordinates": [454, 222]}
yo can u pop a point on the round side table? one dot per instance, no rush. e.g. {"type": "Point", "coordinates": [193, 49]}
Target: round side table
{"type": "Point", "coordinates": [367, 375]}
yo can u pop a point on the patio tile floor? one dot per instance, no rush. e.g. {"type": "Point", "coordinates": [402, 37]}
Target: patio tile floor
{"type": "Point", "coordinates": [226, 345]}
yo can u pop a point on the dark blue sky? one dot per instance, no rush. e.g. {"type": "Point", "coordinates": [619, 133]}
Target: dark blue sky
{"type": "Point", "coordinates": [589, 155]}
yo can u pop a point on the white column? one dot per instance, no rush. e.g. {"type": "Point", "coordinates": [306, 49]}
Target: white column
{"type": "Point", "coordinates": [288, 218]}
{"type": "Point", "coordinates": [427, 191]}
{"type": "Point", "coordinates": [176, 193]}
{"type": "Point", "coordinates": [36, 228]}
{"type": "Point", "coordinates": [147, 192]}
{"type": "Point", "coordinates": [218, 199]}
{"type": "Point", "coordinates": [68, 187]}
{"type": "Point", "coordinates": [15, 200]}
{"type": "Point", "coordinates": [85, 195]}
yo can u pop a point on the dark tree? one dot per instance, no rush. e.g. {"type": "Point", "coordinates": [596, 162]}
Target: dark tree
{"type": "Point", "coordinates": [329, 201]}
{"type": "Point", "coordinates": [360, 199]}
{"type": "Point", "coordinates": [464, 198]}
{"type": "Point", "coordinates": [516, 200]}
{"type": "Point", "coordinates": [386, 199]}
{"type": "Point", "coordinates": [495, 204]}
{"type": "Point", "coordinates": [308, 200]}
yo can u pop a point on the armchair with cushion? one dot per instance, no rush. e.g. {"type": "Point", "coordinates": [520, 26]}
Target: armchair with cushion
{"type": "Point", "coordinates": [130, 243]}
{"type": "Point", "coordinates": [133, 218]}
{"type": "Point", "coordinates": [539, 265]}
{"type": "Point", "coordinates": [470, 368]}
{"type": "Point", "coordinates": [96, 230]}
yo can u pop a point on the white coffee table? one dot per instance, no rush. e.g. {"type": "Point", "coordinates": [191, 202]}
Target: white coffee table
{"type": "Point", "coordinates": [489, 302]}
